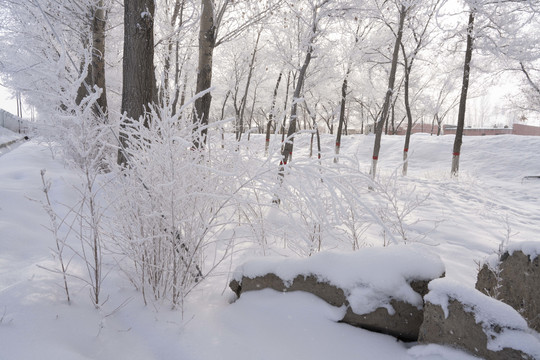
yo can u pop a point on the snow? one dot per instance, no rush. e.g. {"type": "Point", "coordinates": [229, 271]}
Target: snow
{"type": "Point", "coordinates": [365, 276]}
{"type": "Point", "coordinates": [36, 321]}
{"type": "Point", "coordinates": [486, 309]}
{"type": "Point", "coordinates": [7, 135]}
{"type": "Point", "coordinates": [490, 313]}
{"type": "Point", "coordinates": [529, 248]}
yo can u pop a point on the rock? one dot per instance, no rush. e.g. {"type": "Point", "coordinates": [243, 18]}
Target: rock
{"type": "Point", "coordinates": [467, 319]}
{"type": "Point", "coordinates": [515, 280]}
{"type": "Point", "coordinates": [404, 323]}
{"type": "Point", "coordinates": [329, 293]}
{"type": "Point", "coordinates": [377, 297]}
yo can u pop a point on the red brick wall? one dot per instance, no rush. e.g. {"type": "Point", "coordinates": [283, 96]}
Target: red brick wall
{"type": "Point", "coordinates": [520, 129]}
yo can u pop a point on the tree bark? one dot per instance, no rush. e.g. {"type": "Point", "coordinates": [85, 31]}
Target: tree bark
{"type": "Point", "coordinates": [96, 69]}
{"type": "Point", "coordinates": [463, 98]}
{"type": "Point", "coordinates": [165, 98]}
{"type": "Point", "coordinates": [271, 115]}
{"type": "Point", "coordinates": [341, 117]}
{"type": "Point", "coordinates": [240, 128]}
{"type": "Point", "coordinates": [138, 66]}
{"type": "Point", "coordinates": [409, 115]}
{"type": "Point", "coordinates": [207, 41]}
{"type": "Point", "coordinates": [289, 143]}
{"type": "Point", "coordinates": [391, 81]}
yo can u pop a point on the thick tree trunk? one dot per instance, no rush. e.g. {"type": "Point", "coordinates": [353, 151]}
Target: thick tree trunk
{"type": "Point", "coordinates": [463, 99]}
{"type": "Point", "coordinates": [388, 98]}
{"type": "Point", "coordinates": [138, 66]}
{"type": "Point", "coordinates": [207, 41]}
{"type": "Point", "coordinates": [98, 55]}
{"type": "Point", "coordinates": [96, 69]}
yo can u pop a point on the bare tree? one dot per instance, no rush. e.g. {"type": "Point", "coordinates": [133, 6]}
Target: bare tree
{"type": "Point", "coordinates": [390, 90]}
{"type": "Point", "coordinates": [240, 127]}
{"type": "Point", "coordinates": [314, 24]}
{"type": "Point", "coordinates": [212, 16]}
{"type": "Point", "coordinates": [499, 25]}
{"type": "Point", "coordinates": [463, 97]}
{"type": "Point", "coordinates": [357, 36]}
{"type": "Point", "coordinates": [419, 38]}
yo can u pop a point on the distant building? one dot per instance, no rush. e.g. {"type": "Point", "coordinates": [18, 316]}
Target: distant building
{"type": "Point", "coordinates": [419, 128]}
{"type": "Point", "coordinates": [516, 129]}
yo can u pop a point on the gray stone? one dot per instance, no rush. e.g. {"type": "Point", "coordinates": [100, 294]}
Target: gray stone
{"type": "Point", "coordinates": [328, 292]}
{"type": "Point", "coordinates": [403, 324]}
{"type": "Point", "coordinates": [460, 330]}
{"type": "Point", "coordinates": [515, 282]}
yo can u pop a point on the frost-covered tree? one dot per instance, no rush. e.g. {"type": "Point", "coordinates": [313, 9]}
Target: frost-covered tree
{"type": "Point", "coordinates": [492, 27]}
{"type": "Point", "coordinates": [401, 8]}
{"type": "Point", "coordinates": [52, 52]}
{"type": "Point", "coordinates": [419, 24]}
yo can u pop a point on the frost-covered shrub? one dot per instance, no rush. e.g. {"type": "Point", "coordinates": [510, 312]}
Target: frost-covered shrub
{"type": "Point", "coordinates": [82, 139]}
{"type": "Point", "coordinates": [171, 203]}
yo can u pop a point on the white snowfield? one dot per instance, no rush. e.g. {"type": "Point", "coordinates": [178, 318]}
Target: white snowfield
{"type": "Point", "coordinates": [463, 221]}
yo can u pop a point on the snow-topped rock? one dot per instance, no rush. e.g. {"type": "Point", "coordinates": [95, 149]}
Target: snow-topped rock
{"type": "Point", "coordinates": [514, 278]}
{"type": "Point", "coordinates": [465, 318]}
{"type": "Point", "coordinates": [382, 288]}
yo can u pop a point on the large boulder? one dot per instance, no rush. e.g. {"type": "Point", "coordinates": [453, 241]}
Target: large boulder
{"type": "Point", "coordinates": [514, 278]}
{"type": "Point", "coordinates": [381, 288]}
{"type": "Point", "coordinates": [467, 319]}
{"type": "Point", "coordinates": [311, 283]}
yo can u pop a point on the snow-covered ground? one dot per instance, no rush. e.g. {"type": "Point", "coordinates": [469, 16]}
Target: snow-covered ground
{"type": "Point", "coordinates": [473, 215]}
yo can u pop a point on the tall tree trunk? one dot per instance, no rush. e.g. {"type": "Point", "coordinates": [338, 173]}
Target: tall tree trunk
{"type": "Point", "coordinates": [222, 117]}
{"type": "Point", "coordinates": [289, 143]}
{"type": "Point", "coordinates": [315, 126]}
{"type": "Point", "coordinates": [388, 98]}
{"type": "Point", "coordinates": [341, 116]}
{"type": "Point", "coordinates": [240, 128]}
{"type": "Point", "coordinates": [463, 99]}
{"type": "Point", "coordinates": [251, 112]}
{"type": "Point", "coordinates": [96, 69]}
{"type": "Point", "coordinates": [207, 41]}
{"type": "Point", "coordinates": [138, 66]}
{"type": "Point", "coordinates": [271, 116]}
{"type": "Point", "coordinates": [282, 128]}
{"type": "Point", "coordinates": [98, 55]}
{"type": "Point", "coordinates": [172, 44]}
{"type": "Point", "coordinates": [409, 117]}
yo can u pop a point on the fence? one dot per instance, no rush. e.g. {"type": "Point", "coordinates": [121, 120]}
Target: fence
{"type": "Point", "coordinates": [14, 123]}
